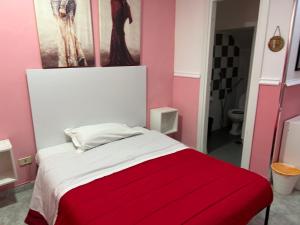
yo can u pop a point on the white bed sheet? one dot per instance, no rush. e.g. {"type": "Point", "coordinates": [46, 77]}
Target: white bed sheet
{"type": "Point", "coordinates": [62, 168]}
{"type": "Point", "coordinates": [56, 151]}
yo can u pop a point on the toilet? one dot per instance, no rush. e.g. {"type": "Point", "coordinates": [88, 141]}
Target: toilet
{"type": "Point", "coordinates": [237, 117]}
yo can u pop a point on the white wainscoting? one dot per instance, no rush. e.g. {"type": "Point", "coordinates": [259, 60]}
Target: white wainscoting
{"type": "Point", "coordinates": [269, 81]}
{"type": "Point", "coordinates": [187, 74]}
{"type": "Point", "coordinates": [292, 82]}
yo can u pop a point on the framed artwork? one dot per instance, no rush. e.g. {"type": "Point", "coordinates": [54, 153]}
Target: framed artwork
{"type": "Point", "coordinates": [297, 68]}
{"type": "Point", "coordinates": [65, 33]}
{"type": "Point", "coordinates": [120, 32]}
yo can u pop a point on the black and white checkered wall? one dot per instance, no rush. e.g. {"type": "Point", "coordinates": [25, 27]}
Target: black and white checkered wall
{"type": "Point", "coordinates": [225, 66]}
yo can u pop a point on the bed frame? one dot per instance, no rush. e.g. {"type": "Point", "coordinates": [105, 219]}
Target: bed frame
{"type": "Point", "coordinates": [267, 215]}
{"type": "Point", "coordinates": [71, 97]}
{"type": "Point", "coordinates": [65, 98]}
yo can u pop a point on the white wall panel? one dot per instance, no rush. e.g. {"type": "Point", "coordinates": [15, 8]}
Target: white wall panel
{"type": "Point", "coordinates": [190, 22]}
{"type": "Point", "coordinates": [280, 14]}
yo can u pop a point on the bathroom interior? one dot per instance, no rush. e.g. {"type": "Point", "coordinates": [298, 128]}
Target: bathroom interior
{"type": "Point", "coordinates": [229, 81]}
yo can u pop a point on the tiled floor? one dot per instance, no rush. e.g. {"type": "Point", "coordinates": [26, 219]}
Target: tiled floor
{"type": "Point", "coordinates": [285, 210]}
{"type": "Point", "coordinates": [226, 147]}
{"type": "Point", "coordinates": [14, 207]}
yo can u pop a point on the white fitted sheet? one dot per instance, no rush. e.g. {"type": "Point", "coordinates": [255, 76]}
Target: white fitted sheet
{"type": "Point", "coordinates": [54, 151]}
{"type": "Point", "coordinates": [62, 168]}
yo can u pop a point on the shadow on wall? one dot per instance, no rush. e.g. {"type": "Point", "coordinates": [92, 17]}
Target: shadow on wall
{"type": "Point", "coordinates": [178, 134]}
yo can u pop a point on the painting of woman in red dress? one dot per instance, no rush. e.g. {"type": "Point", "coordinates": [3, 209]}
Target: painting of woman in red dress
{"type": "Point", "coordinates": [118, 53]}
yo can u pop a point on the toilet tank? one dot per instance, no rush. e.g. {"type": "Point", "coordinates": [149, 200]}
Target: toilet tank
{"type": "Point", "coordinates": [242, 101]}
{"type": "Point", "coordinates": [290, 147]}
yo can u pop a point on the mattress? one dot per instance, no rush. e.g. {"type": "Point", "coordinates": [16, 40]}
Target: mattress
{"type": "Point", "coordinates": [156, 180]}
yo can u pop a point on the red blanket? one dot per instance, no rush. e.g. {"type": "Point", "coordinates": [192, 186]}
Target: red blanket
{"type": "Point", "coordinates": [186, 187]}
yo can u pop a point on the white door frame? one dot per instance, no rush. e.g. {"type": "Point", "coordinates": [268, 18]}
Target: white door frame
{"type": "Point", "coordinates": [256, 67]}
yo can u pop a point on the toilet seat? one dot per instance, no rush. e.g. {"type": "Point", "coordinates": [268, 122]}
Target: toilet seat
{"type": "Point", "coordinates": [236, 114]}
{"type": "Point", "coordinates": [237, 111]}
{"type": "Point", "coordinates": [237, 117]}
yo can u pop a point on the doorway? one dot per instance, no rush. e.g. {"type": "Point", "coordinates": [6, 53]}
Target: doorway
{"type": "Point", "coordinates": [228, 92]}
{"type": "Point", "coordinates": [233, 44]}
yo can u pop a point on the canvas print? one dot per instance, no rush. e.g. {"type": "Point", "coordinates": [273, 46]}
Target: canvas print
{"type": "Point", "coordinates": [65, 33]}
{"type": "Point", "coordinates": [120, 23]}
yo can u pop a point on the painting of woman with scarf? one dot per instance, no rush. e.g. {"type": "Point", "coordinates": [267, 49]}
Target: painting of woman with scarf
{"type": "Point", "coordinates": [122, 47]}
{"type": "Point", "coordinates": [65, 33]}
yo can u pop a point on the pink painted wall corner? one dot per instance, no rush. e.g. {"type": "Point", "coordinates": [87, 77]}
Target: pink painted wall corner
{"type": "Point", "coordinates": [20, 48]}
{"type": "Point", "coordinates": [185, 98]}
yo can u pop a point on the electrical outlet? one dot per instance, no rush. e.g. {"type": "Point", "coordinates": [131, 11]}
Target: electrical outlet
{"type": "Point", "coordinates": [25, 161]}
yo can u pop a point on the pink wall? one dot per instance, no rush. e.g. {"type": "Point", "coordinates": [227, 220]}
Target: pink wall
{"type": "Point", "coordinates": [265, 123]}
{"type": "Point", "coordinates": [290, 109]}
{"type": "Point", "coordinates": [266, 114]}
{"type": "Point", "coordinates": [20, 51]}
{"type": "Point", "coordinates": [186, 98]}
{"type": "Point", "coordinates": [158, 40]}
{"type": "Point", "coordinates": [291, 102]}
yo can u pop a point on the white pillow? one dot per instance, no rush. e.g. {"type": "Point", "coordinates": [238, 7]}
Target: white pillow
{"type": "Point", "coordinates": [87, 137]}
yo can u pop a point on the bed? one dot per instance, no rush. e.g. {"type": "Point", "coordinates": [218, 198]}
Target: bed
{"type": "Point", "coordinates": [144, 179]}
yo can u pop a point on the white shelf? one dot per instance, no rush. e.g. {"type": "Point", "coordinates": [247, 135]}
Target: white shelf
{"type": "Point", "coordinates": [7, 165]}
{"type": "Point", "coordinates": [164, 120]}
{"type": "Point", "coordinates": [164, 110]}
{"type": "Point", "coordinates": [5, 145]}
{"type": "Point", "coordinates": [7, 177]}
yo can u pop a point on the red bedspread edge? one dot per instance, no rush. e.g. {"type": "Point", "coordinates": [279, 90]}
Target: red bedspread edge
{"type": "Point", "coordinates": [35, 218]}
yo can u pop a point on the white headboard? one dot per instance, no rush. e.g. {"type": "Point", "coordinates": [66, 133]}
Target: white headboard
{"type": "Point", "coordinates": [64, 98]}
